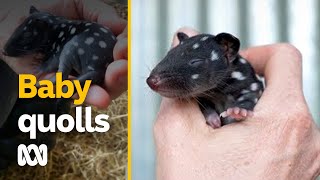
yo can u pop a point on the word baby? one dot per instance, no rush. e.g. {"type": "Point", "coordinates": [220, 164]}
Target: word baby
{"type": "Point", "coordinates": [47, 90]}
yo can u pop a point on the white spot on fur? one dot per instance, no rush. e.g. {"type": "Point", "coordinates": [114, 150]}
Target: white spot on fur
{"type": "Point", "coordinates": [63, 25]}
{"type": "Point", "coordinates": [195, 76]}
{"type": "Point", "coordinates": [254, 86]}
{"type": "Point", "coordinates": [237, 75]}
{"type": "Point", "coordinates": [63, 39]}
{"type": "Point", "coordinates": [204, 38]}
{"type": "Point", "coordinates": [50, 21]}
{"type": "Point", "coordinates": [96, 34]}
{"type": "Point", "coordinates": [86, 30]}
{"type": "Point", "coordinates": [240, 98]}
{"type": "Point", "coordinates": [88, 24]}
{"type": "Point", "coordinates": [53, 45]}
{"type": "Point", "coordinates": [102, 44]}
{"type": "Point", "coordinates": [94, 57]}
{"type": "Point", "coordinates": [90, 68]}
{"type": "Point", "coordinates": [195, 46]}
{"type": "Point", "coordinates": [243, 61]}
{"type": "Point", "coordinates": [80, 51]}
{"type": "Point", "coordinates": [73, 30]}
{"type": "Point", "coordinates": [58, 48]}
{"type": "Point", "coordinates": [244, 91]}
{"type": "Point", "coordinates": [259, 77]}
{"type": "Point", "coordinates": [61, 34]}
{"type": "Point", "coordinates": [30, 21]}
{"type": "Point", "coordinates": [25, 28]}
{"type": "Point", "coordinates": [214, 56]}
{"type": "Point", "coordinates": [104, 30]}
{"type": "Point", "coordinates": [113, 37]}
{"type": "Point", "coordinates": [89, 40]}
{"type": "Point", "coordinates": [255, 100]}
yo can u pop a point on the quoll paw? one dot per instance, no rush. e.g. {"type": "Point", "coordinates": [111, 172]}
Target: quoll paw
{"type": "Point", "coordinates": [213, 120]}
{"type": "Point", "coordinates": [237, 113]}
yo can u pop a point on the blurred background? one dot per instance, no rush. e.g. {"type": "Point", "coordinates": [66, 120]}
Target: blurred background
{"type": "Point", "coordinates": [154, 23]}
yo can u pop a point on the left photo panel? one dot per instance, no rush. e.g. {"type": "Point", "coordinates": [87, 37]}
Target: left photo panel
{"type": "Point", "coordinates": [63, 97]}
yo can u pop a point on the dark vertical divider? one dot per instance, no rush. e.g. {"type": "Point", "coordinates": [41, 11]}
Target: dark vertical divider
{"type": "Point", "coordinates": [203, 16]}
{"type": "Point", "coordinates": [283, 19]}
{"type": "Point", "coordinates": [163, 27]}
{"type": "Point", "coordinates": [243, 23]}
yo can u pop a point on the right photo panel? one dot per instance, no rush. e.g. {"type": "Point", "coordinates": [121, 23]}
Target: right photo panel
{"type": "Point", "coordinates": [225, 89]}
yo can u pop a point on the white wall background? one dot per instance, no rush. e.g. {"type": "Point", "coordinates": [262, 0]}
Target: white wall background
{"type": "Point", "coordinates": [254, 22]}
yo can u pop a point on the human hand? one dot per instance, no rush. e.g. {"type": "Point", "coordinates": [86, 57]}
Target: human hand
{"type": "Point", "coordinates": [281, 140]}
{"type": "Point", "coordinates": [14, 12]}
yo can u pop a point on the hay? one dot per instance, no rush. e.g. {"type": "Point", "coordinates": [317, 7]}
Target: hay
{"type": "Point", "coordinates": [86, 155]}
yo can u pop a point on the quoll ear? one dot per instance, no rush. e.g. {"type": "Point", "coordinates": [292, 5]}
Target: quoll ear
{"type": "Point", "coordinates": [33, 10]}
{"type": "Point", "coordinates": [182, 36]}
{"type": "Point", "coordinates": [230, 45]}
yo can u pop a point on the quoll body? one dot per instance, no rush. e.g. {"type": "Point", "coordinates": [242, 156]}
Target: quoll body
{"type": "Point", "coordinates": [73, 47]}
{"type": "Point", "coordinates": [209, 69]}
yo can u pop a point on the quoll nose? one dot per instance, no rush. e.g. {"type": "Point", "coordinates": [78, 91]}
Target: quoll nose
{"type": "Point", "coordinates": [153, 82]}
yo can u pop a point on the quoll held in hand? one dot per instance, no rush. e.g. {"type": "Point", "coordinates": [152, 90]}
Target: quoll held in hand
{"type": "Point", "coordinates": [82, 48]}
{"type": "Point", "coordinates": [209, 68]}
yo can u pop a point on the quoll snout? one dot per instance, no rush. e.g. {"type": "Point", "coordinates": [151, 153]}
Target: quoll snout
{"type": "Point", "coordinates": [153, 82]}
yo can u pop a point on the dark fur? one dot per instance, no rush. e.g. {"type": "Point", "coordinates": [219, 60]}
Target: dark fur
{"type": "Point", "coordinates": [203, 67]}
{"type": "Point", "coordinates": [67, 45]}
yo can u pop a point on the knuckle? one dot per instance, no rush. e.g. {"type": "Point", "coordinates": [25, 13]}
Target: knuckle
{"type": "Point", "coordinates": [299, 125]}
{"type": "Point", "coordinates": [290, 49]}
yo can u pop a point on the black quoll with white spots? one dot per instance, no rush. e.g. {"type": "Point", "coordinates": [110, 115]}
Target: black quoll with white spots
{"type": "Point", "coordinates": [208, 68]}
{"type": "Point", "coordinates": [80, 48]}
{"type": "Point", "coordinates": [68, 46]}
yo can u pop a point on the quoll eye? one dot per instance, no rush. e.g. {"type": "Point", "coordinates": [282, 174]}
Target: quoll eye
{"type": "Point", "coordinates": [196, 62]}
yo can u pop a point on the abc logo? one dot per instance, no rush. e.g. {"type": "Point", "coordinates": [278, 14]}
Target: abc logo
{"type": "Point", "coordinates": [41, 155]}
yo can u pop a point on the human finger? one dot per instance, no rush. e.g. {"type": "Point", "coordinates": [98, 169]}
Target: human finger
{"type": "Point", "coordinates": [116, 80]}
{"type": "Point", "coordinates": [97, 97]}
{"type": "Point", "coordinates": [120, 50]}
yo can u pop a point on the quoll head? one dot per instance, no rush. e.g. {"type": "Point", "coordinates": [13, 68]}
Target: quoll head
{"type": "Point", "coordinates": [197, 64]}
{"type": "Point", "coordinates": [31, 36]}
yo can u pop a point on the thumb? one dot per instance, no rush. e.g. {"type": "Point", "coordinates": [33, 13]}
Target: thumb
{"type": "Point", "coordinates": [282, 68]}
{"type": "Point", "coordinates": [103, 14]}
{"type": "Point", "coordinates": [180, 115]}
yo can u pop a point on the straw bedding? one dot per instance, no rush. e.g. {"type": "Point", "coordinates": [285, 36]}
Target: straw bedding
{"type": "Point", "coordinates": [86, 155]}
